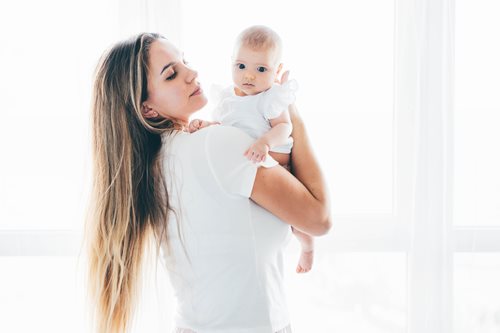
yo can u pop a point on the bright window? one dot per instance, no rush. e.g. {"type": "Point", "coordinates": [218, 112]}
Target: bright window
{"type": "Point", "coordinates": [49, 52]}
{"type": "Point", "coordinates": [477, 113]}
{"type": "Point", "coordinates": [362, 68]}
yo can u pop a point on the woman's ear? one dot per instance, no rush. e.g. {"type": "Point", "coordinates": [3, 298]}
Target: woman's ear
{"type": "Point", "coordinates": [147, 111]}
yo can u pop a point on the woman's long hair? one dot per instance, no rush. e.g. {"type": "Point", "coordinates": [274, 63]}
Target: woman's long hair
{"type": "Point", "coordinates": [129, 203]}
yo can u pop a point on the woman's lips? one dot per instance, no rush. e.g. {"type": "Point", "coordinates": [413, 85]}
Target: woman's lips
{"type": "Point", "coordinates": [196, 92]}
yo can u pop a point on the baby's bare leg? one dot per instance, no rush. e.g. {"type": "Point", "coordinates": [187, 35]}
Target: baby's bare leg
{"type": "Point", "coordinates": [307, 254]}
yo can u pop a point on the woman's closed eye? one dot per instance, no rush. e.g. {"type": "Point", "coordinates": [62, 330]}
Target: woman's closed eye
{"type": "Point", "coordinates": [171, 76]}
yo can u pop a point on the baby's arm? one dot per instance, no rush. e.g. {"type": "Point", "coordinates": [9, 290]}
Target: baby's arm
{"type": "Point", "coordinates": [276, 136]}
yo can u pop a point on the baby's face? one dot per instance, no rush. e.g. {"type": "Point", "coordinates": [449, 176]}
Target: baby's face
{"type": "Point", "coordinates": [254, 71]}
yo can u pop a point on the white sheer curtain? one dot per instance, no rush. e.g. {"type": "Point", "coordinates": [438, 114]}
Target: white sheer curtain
{"type": "Point", "coordinates": [427, 50]}
{"type": "Point", "coordinates": [149, 15]}
{"type": "Point", "coordinates": [425, 31]}
{"type": "Point", "coordinates": [381, 269]}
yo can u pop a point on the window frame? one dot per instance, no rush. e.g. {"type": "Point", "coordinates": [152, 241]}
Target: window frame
{"type": "Point", "coordinates": [423, 80]}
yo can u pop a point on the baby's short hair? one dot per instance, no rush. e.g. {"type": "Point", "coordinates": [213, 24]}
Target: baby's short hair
{"type": "Point", "coordinates": [260, 37]}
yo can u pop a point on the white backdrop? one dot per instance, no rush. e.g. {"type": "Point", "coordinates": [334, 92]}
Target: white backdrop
{"type": "Point", "coordinates": [400, 98]}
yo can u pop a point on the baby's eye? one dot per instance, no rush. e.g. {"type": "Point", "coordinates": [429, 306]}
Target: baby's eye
{"type": "Point", "coordinates": [261, 69]}
{"type": "Point", "coordinates": [171, 77]}
{"type": "Point", "coordinates": [241, 66]}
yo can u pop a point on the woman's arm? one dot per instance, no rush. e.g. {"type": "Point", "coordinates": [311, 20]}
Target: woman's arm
{"type": "Point", "coordinates": [302, 201]}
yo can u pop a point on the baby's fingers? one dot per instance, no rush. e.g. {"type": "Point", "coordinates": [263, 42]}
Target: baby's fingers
{"type": "Point", "coordinates": [261, 157]}
{"type": "Point", "coordinates": [251, 154]}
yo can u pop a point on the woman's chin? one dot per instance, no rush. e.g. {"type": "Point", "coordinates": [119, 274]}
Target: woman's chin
{"type": "Point", "coordinates": [198, 102]}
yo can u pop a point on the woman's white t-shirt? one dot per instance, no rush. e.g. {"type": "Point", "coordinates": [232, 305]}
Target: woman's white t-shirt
{"type": "Point", "coordinates": [232, 279]}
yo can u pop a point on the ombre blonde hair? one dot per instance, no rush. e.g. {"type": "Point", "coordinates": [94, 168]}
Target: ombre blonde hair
{"type": "Point", "coordinates": [129, 203]}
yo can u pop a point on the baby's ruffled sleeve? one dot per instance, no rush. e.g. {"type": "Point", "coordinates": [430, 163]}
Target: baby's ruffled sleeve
{"type": "Point", "coordinates": [218, 94]}
{"type": "Point", "coordinates": [277, 99]}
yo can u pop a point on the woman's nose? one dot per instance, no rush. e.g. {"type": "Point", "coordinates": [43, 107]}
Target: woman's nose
{"type": "Point", "coordinates": [192, 74]}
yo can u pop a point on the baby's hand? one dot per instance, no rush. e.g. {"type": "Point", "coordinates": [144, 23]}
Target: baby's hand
{"type": "Point", "coordinates": [197, 124]}
{"type": "Point", "coordinates": [257, 151]}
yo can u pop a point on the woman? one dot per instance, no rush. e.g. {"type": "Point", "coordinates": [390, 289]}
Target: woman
{"type": "Point", "coordinates": [189, 193]}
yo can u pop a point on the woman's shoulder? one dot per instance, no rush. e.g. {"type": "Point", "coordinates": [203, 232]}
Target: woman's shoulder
{"type": "Point", "coordinates": [218, 138]}
{"type": "Point", "coordinates": [223, 131]}
{"type": "Point", "coordinates": [219, 150]}
{"type": "Point", "coordinates": [208, 138]}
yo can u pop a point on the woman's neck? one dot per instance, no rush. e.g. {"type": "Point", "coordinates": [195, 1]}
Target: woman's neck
{"type": "Point", "coordinates": [181, 126]}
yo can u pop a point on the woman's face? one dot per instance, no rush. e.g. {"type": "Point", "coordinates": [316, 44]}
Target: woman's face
{"type": "Point", "coordinates": [173, 89]}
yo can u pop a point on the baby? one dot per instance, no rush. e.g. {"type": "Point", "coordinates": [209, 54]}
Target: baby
{"type": "Point", "coordinates": [258, 105]}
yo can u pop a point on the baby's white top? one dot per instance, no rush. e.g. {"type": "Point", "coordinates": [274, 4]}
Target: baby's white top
{"type": "Point", "coordinates": [234, 283]}
{"type": "Point", "coordinates": [252, 113]}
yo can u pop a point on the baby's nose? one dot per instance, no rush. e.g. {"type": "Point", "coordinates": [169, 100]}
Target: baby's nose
{"type": "Point", "coordinates": [249, 76]}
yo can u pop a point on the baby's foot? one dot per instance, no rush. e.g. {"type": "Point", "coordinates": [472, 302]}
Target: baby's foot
{"type": "Point", "coordinates": [305, 261]}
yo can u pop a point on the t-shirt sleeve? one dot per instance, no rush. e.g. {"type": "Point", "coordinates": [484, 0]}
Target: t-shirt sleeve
{"type": "Point", "coordinates": [235, 173]}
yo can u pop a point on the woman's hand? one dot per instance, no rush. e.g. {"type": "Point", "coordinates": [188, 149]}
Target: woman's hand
{"type": "Point", "coordinates": [295, 119]}
{"type": "Point", "coordinates": [284, 77]}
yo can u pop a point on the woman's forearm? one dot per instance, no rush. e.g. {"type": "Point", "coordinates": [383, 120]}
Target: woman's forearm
{"type": "Point", "coordinates": [305, 166]}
